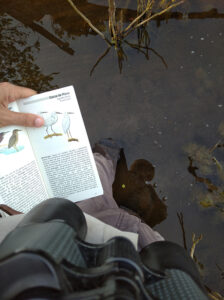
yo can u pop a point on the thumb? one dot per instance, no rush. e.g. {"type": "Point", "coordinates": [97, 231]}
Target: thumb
{"type": "Point", "coordinates": [22, 119]}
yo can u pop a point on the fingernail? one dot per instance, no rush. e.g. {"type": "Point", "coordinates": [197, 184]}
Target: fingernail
{"type": "Point", "coordinates": [38, 122]}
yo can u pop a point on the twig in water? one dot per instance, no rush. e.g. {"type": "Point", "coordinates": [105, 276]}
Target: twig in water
{"type": "Point", "coordinates": [159, 13]}
{"type": "Point", "coordinates": [88, 21]}
{"type": "Point", "coordinates": [112, 20]}
{"type": "Point", "coordinates": [99, 60]}
{"type": "Point", "coordinates": [137, 47]}
{"type": "Point", "coordinates": [147, 48]}
{"type": "Point", "coordinates": [215, 296]}
{"type": "Point", "coordinates": [181, 221]}
{"type": "Point", "coordinates": [121, 56]}
{"type": "Point", "coordinates": [215, 146]}
{"type": "Point", "coordinates": [195, 242]}
{"type": "Point", "coordinates": [160, 56]}
{"type": "Point", "coordinates": [148, 7]}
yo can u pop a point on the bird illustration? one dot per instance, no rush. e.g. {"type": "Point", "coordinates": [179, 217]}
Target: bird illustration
{"type": "Point", "coordinates": [2, 135]}
{"type": "Point", "coordinates": [66, 121]}
{"type": "Point", "coordinates": [13, 141]}
{"type": "Point", "coordinates": [50, 119]}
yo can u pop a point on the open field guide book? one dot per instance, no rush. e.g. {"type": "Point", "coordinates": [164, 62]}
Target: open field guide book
{"type": "Point", "coordinates": [55, 160]}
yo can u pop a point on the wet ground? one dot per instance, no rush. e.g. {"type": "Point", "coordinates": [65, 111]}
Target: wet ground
{"type": "Point", "coordinates": [154, 109]}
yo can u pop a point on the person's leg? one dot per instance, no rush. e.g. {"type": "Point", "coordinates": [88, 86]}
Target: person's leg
{"type": "Point", "coordinates": [147, 235]}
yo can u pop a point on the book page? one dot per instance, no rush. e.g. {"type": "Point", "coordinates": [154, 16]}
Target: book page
{"type": "Point", "coordinates": [21, 184]}
{"type": "Point", "coordinates": [61, 146]}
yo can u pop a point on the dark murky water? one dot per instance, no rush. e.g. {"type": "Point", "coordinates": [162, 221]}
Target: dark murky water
{"type": "Point", "coordinates": [156, 111]}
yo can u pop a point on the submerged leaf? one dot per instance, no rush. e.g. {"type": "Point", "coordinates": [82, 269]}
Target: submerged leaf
{"type": "Point", "coordinates": [207, 202]}
{"type": "Point", "coordinates": [201, 156]}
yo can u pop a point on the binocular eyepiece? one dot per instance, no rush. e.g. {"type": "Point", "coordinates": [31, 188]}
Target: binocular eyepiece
{"type": "Point", "coordinates": [46, 257]}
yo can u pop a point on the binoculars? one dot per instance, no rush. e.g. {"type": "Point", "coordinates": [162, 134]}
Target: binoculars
{"type": "Point", "coordinates": [46, 258]}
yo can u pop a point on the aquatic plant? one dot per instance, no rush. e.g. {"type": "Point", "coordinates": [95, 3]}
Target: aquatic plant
{"type": "Point", "coordinates": [212, 294]}
{"type": "Point", "coordinates": [147, 10]}
{"type": "Point", "coordinates": [145, 14]}
{"type": "Point", "coordinates": [207, 168]}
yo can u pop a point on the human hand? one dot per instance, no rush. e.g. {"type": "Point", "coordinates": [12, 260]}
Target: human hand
{"type": "Point", "coordinates": [9, 93]}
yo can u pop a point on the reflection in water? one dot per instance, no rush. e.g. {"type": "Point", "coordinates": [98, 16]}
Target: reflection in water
{"type": "Point", "coordinates": [17, 59]}
{"type": "Point", "coordinates": [210, 14]}
{"type": "Point", "coordinates": [144, 49]}
{"type": "Point", "coordinates": [143, 39]}
{"type": "Point", "coordinates": [64, 20]}
{"type": "Point", "coordinates": [132, 190]}
{"type": "Point", "coordinates": [117, 31]}
{"type": "Point", "coordinates": [143, 16]}
{"type": "Point", "coordinates": [59, 43]}
{"type": "Point", "coordinates": [142, 46]}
